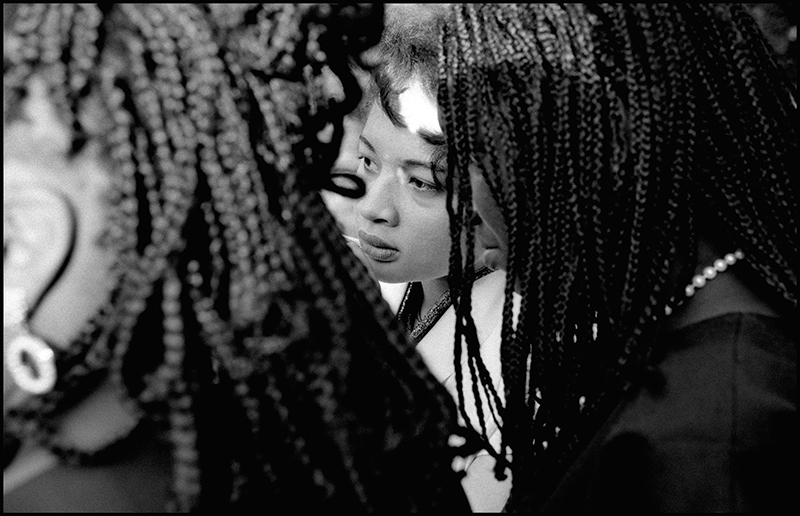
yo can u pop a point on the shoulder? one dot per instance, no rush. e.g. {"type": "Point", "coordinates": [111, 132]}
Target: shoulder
{"type": "Point", "coordinates": [715, 431]}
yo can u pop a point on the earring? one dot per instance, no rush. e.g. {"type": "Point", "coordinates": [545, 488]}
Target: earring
{"type": "Point", "coordinates": [28, 359]}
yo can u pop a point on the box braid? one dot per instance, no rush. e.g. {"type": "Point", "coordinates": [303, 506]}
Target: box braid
{"type": "Point", "coordinates": [609, 135]}
{"type": "Point", "coordinates": [241, 323]}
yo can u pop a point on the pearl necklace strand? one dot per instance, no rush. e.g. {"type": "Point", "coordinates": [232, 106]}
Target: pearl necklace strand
{"type": "Point", "coordinates": [709, 273]}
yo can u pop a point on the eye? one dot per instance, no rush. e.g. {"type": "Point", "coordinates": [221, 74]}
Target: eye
{"type": "Point", "coordinates": [367, 163]}
{"type": "Point", "coordinates": [422, 186]}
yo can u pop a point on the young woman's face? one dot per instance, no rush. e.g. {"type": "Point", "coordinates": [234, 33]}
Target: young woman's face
{"type": "Point", "coordinates": [402, 221]}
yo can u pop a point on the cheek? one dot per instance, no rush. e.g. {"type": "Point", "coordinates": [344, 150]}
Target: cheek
{"type": "Point", "coordinates": [431, 243]}
{"type": "Point", "coordinates": [488, 209]}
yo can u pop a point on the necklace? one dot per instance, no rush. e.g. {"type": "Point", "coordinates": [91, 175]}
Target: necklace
{"type": "Point", "coordinates": [412, 303]}
{"type": "Point", "coordinates": [420, 327]}
{"type": "Point", "coordinates": [699, 280]}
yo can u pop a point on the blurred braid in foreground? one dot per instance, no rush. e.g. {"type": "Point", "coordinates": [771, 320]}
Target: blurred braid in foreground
{"type": "Point", "coordinates": [241, 322]}
{"type": "Point", "coordinates": [610, 135]}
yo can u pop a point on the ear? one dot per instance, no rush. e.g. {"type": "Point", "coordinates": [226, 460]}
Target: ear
{"type": "Point", "coordinates": [38, 232]}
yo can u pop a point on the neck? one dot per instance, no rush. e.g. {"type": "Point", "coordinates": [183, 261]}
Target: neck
{"type": "Point", "coordinates": [432, 291]}
{"type": "Point", "coordinates": [100, 419]}
{"type": "Point", "coordinates": [726, 293]}
{"type": "Point", "coordinates": [92, 423]}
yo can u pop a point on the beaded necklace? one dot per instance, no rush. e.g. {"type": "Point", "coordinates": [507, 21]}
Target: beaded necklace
{"type": "Point", "coordinates": [699, 280]}
{"type": "Point", "coordinates": [412, 303]}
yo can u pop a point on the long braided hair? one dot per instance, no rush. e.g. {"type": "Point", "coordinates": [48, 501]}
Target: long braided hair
{"type": "Point", "coordinates": [241, 323]}
{"type": "Point", "coordinates": [609, 136]}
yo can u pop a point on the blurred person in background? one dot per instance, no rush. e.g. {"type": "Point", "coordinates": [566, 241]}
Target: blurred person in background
{"type": "Point", "coordinates": [183, 327]}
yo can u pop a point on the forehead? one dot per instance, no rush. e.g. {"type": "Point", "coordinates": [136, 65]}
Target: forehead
{"type": "Point", "coordinates": [417, 109]}
{"type": "Point", "coordinates": [392, 141]}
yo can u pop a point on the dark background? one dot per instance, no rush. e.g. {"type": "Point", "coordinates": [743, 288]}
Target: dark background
{"type": "Point", "coordinates": [778, 22]}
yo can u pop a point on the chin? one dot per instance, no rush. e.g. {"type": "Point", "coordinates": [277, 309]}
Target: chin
{"type": "Point", "coordinates": [384, 274]}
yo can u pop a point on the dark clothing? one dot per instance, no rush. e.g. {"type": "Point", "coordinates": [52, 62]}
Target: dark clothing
{"type": "Point", "coordinates": [721, 436]}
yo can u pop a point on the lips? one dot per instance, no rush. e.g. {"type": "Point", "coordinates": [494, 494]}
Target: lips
{"type": "Point", "coordinates": [375, 248]}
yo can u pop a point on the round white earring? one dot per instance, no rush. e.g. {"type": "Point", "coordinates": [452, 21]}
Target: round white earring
{"type": "Point", "coordinates": [31, 363]}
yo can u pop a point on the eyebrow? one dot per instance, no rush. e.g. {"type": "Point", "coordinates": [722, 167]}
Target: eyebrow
{"type": "Point", "coordinates": [432, 165]}
{"type": "Point", "coordinates": [432, 138]}
{"type": "Point", "coordinates": [366, 142]}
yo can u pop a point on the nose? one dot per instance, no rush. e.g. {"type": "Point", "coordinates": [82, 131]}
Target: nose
{"type": "Point", "coordinates": [378, 203]}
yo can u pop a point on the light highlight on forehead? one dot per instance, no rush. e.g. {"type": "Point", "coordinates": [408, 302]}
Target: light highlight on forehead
{"type": "Point", "coordinates": [418, 110]}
